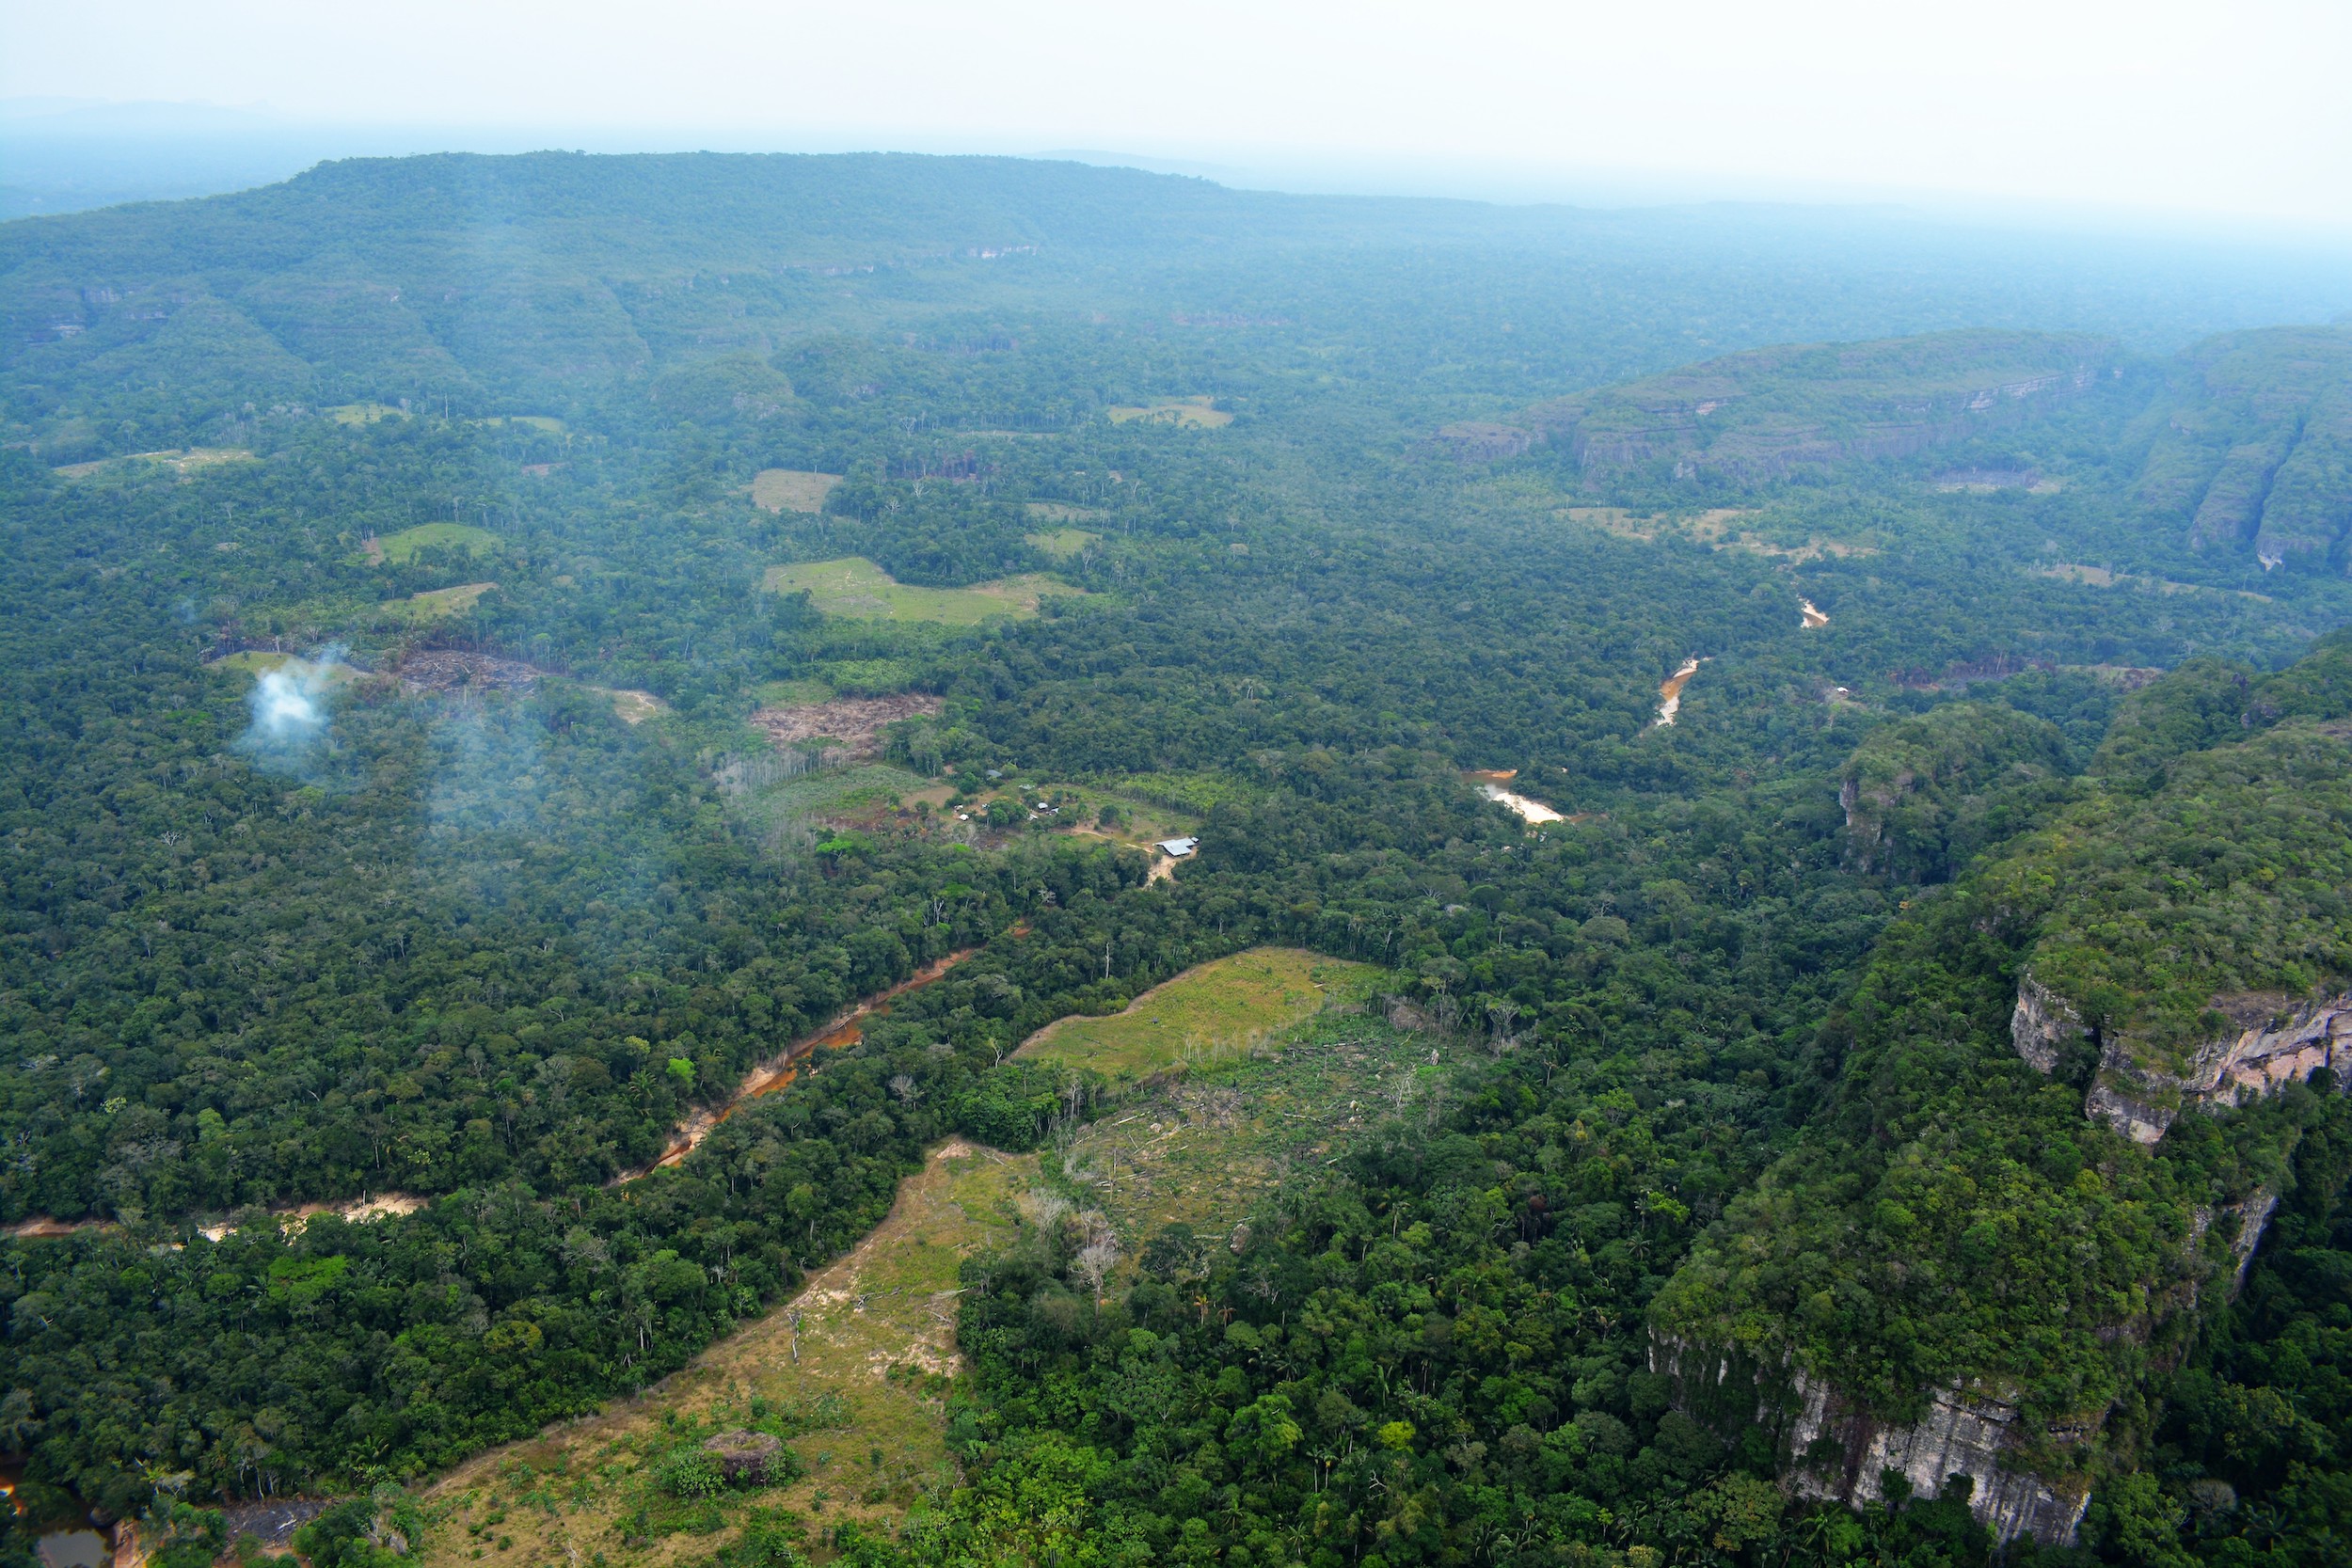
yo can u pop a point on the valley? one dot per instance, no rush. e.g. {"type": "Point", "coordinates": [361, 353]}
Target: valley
{"type": "Point", "coordinates": [1073, 867]}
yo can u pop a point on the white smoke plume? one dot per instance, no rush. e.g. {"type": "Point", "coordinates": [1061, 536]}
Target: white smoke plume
{"type": "Point", "coordinates": [289, 711]}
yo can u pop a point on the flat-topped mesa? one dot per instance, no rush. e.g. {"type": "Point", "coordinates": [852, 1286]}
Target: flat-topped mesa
{"type": "Point", "coordinates": [1765, 413]}
{"type": "Point", "coordinates": [2139, 1091]}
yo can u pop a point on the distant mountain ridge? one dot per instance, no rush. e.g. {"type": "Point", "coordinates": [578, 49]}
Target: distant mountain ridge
{"type": "Point", "coordinates": [538, 276]}
{"type": "Point", "coordinates": [2241, 443]}
{"type": "Point", "coordinates": [1761, 414]}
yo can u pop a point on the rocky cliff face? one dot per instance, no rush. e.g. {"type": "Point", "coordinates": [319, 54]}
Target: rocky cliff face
{"type": "Point", "coordinates": [2257, 432]}
{"type": "Point", "coordinates": [1834, 1449]}
{"type": "Point", "coordinates": [1837, 1451]}
{"type": "Point", "coordinates": [2277, 1041]}
{"type": "Point", "coordinates": [2041, 1023]}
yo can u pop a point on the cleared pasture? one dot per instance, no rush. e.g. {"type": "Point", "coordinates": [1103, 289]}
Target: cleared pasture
{"type": "Point", "coordinates": [1218, 1013]}
{"type": "Point", "coordinates": [1062, 543]}
{"type": "Point", "coordinates": [435, 604]}
{"type": "Point", "coordinates": [856, 589]}
{"type": "Point", "coordinates": [1193, 413]}
{"type": "Point", "coordinates": [399, 548]}
{"type": "Point", "coordinates": [364, 413]}
{"type": "Point", "coordinates": [633, 706]}
{"type": "Point", "coordinates": [184, 461]}
{"type": "Point", "coordinates": [857, 1367]}
{"type": "Point", "coordinates": [257, 662]}
{"type": "Point", "coordinates": [1202, 1150]}
{"type": "Point", "coordinates": [792, 489]}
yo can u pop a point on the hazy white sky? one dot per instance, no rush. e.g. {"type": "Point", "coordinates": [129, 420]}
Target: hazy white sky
{"type": "Point", "coordinates": [2239, 107]}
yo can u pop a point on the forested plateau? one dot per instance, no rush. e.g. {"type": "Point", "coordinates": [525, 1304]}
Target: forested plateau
{"type": "Point", "coordinates": [567, 719]}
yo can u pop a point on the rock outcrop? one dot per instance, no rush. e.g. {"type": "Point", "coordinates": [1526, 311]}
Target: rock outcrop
{"type": "Point", "coordinates": [2277, 1041]}
{"type": "Point", "coordinates": [1833, 1448]}
{"type": "Point", "coordinates": [2041, 1023]}
{"type": "Point", "coordinates": [1838, 1450]}
{"type": "Point", "coordinates": [2252, 449]}
{"type": "Point", "coordinates": [2276, 1044]}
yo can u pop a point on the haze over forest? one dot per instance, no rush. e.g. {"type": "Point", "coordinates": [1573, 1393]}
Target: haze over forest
{"type": "Point", "coordinates": [1369, 859]}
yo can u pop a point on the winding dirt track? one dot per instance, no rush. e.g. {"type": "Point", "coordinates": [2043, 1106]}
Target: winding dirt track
{"type": "Point", "coordinates": [845, 1028]}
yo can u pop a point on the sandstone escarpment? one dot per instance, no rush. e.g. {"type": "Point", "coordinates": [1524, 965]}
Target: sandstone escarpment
{"type": "Point", "coordinates": [2020, 1479]}
{"type": "Point", "coordinates": [2042, 1025]}
{"type": "Point", "coordinates": [1838, 1451]}
{"type": "Point", "coordinates": [2277, 1041]}
{"type": "Point", "coordinates": [1833, 1449]}
{"type": "Point", "coordinates": [1765, 413]}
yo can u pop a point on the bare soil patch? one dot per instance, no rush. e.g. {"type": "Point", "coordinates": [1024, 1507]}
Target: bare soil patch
{"type": "Point", "coordinates": [635, 707]}
{"type": "Point", "coordinates": [455, 670]}
{"type": "Point", "coordinates": [852, 725]}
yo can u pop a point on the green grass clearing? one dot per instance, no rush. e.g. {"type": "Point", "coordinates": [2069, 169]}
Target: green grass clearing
{"type": "Point", "coordinates": [830, 792]}
{"type": "Point", "coordinates": [1196, 793]}
{"type": "Point", "coordinates": [861, 1361]}
{"type": "Point", "coordinates": [544, 423]}
{"type": "Point", "coordinates": [633, 706]}
{"type": "Point", "coordinates": [1062, 512]}
{"type": "Point", "coordinates": [1062, 543]}
{"type": "Point", "coordinates": [853, 588]}
{"type": "Point", "coordinates": [257, 662]}
{"type": "Point", "coordinates": [402, 547]}
{"type": "Point", "coordinates": [1202, 1151]}
{"type": "Point", "coordinates": [1193, 413]}
{"type": "Point", "coordinates": [792, 489]}
{"type": "Point", "coordinates": [794, 694]}
{"type": "Point", "coordinates": [1216, 1014]}
{"type": "Point", "coordinates": [183, 461]}
{"type": "Point", "coordinates": [2101, 576]}
{"type": "Point", "coordinates": [435, 604]}
{"type": "Point", "coordinates": [364, 413]}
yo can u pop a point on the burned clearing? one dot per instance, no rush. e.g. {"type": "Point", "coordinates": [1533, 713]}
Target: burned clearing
{"type": "Point", "coordinates": [850, 725]}
{"type": "Point", "coordinates": [451, 670]}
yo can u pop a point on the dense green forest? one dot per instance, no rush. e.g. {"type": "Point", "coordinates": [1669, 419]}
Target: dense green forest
{"type": "Point", "coordinates": [394, 801]}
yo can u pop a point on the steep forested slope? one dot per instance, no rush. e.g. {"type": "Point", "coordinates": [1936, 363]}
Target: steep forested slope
{"type": "Point", "coordinates": [1961, 1218]}
{"type": "Point", "coordinates": [2256, 444]}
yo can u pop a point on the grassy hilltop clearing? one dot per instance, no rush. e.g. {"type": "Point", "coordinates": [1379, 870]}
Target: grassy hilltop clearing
{"type": "Point", "coordinates": [599, 988]}
{"type": "Point", "coordinates": [856, 589]}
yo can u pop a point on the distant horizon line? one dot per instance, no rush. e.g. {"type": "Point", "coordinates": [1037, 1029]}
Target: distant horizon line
{"type": "Point", "coordinates": [247, 147]}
